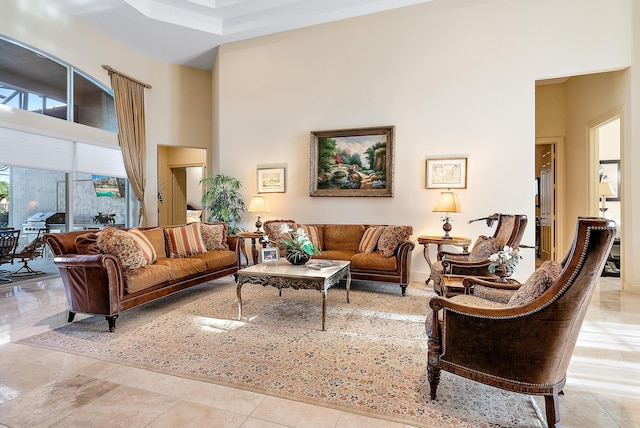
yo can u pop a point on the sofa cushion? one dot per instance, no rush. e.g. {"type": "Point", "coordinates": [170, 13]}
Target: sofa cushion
{"type": "Point", "coordinates": [217, 259]}
{"type": "Point", "coordinates": [391, 237]}
{"type": "Point", "coordinates": [369, 239]}
{"type": "Point", "coordinates": [122, 245]}
{"type": "Point", "coordinates": [183, 267]}
{"type": "Point", "coordinates": [87, 243]}
{"type": "Point", "coordinates": [483, 248]}
{"type": "Point", "coordinates": [185, 241]}
{"type": "Point", "coordinates": [313, 233]}
{"type": "Point", "coordinates": [145, 277]}
{"type": "Point", "coordinates": [148, 252]}
{"type": "Point", "coordinates": [272, 230]}
{"type": "Point", "coordinates": [335, 255]}
{"type": "Point", "coordinates": [214, 236]}
{"type": "Point", "coordinates": [374, 261]}
{"type": "Point", "coordinates": [158, 240]}
{"type": "Point", "coordinates": [537, 283]}
{"type": "Point", "coordinates": [342, 236]}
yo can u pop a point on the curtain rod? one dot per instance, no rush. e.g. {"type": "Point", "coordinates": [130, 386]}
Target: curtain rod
{"type": "Point", "coordinates": [113, 70]}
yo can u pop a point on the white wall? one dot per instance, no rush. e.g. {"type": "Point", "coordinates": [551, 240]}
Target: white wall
{"type": "Point", "coordinates": [456, 78]}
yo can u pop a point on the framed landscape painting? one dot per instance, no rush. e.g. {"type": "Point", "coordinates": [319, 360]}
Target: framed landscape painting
{"type": "Point", "coordinates": [447, 173]}
{"type": "Point", "coordinates": [352, 162]}
{"type": "Point", "coordinates": [271, 180]}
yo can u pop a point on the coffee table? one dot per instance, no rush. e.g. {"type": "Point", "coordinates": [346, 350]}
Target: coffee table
{"type": "Point", "coordinates": [282, 274]}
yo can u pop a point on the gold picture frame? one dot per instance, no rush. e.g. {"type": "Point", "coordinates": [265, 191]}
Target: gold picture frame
{"type": "Point", "coordinates": [271, 180]}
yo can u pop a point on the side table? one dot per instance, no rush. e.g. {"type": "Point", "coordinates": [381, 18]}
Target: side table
{"type": "Point", "coordinates": [254, 249]}
{"type": "Point", "coordinates": [426, 240]}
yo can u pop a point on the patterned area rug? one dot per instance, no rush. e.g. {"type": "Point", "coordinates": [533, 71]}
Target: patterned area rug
{"type": "Point", "coordinates": [370, 360]}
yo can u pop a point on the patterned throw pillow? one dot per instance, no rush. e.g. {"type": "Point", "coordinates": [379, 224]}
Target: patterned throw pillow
{"type": "Point", "coordinates": [537, 283]}
{"type": "Point", "coordinates": [483, 248]}
{"type": "Point", "coordinates": [391, 237]}
{"type": "Point", "coordinates": [214, 236]}
{"type": "Point", "coordinates": [313, 234]}
{"type": "Point", "coordinates": [148, 252]}
{"type": "Point", "coordinates": [122, 245]}
{"type": "Point", "coordinates": [272, 230]}
{"type": "Point", "coordinates": [370, 239]}
{"type": "Point", "coordinates": [185, 241]}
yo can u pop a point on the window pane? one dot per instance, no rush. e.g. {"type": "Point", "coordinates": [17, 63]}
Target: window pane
{"type": "Point", "coordinates": [92, 105]}
{"type": "Point", "coordinates": [98, 195]}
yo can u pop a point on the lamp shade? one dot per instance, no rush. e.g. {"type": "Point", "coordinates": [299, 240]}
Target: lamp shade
{"type": "Point", "coordinates": [258, 204]}
{"type": "Point", "coordinates": [448, 202]}
{"type": "Point", "coordinates": [605, 189]}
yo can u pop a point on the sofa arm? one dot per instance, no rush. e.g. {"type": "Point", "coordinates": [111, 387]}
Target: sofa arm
{"type": "Point", "coordinates": [235, 243]}
{"type": "Point", "coordinates": [403, 258]}
{"type": "Point", "coordinates": [94, 283]}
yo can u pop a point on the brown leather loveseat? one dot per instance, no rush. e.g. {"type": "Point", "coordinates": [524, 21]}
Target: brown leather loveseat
{"type": "Point", "coordinates": [105, 277]}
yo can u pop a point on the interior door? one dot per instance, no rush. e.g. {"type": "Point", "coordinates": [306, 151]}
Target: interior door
{"type": "Point", "coordinates": [179, 192]}
{"type": "Point", "coordinates": [547, 204]}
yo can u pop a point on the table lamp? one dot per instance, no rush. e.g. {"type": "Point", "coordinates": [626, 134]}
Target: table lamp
{"type": "Point", "coordinates": [604, 189]}
{"type": "Point", "coordinates": [448, 202]}
{"type": "Point", "coordinates": [258, 205]}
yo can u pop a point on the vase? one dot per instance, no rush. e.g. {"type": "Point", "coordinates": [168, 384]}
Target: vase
{"type": "Point", "coordinates": [296, 257]}
{"type": "Point", "coordinates": [503, 273]}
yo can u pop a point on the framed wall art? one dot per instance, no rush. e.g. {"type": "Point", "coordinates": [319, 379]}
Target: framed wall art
{"type": "Point", "coordinates": [271, 180]}
{"type": "Point", "coordinates": [352, 162]}
{"type": "Point", "coordinates": [447, 173]}
{"type": "Point", "coordinates": [609, 171]}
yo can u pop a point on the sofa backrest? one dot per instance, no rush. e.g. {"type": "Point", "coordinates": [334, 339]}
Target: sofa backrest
{"type": "Point", "coordinates": [344, 237]}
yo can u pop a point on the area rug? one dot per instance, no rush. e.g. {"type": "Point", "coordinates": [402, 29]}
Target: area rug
{"type": "Point", "coordinates": [370, 360]}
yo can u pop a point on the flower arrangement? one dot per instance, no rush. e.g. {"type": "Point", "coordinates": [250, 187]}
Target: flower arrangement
{"type": "Point", "coordinates": [507, 257]}
{"type": "Point", "coordinates": [299, 247]}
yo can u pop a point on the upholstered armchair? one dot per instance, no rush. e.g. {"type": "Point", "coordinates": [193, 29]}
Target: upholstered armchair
{"type": "Point", "coordinates": [524, 345]}
{"type": "Point", "coordinates": [509, 231]}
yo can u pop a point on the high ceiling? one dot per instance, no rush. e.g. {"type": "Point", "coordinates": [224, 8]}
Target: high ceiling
{"type": "Point", "coordinates": [188, 31]}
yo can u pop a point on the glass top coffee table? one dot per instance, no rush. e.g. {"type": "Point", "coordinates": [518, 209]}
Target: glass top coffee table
{"type": "Point", "coordinates": [282, 274]}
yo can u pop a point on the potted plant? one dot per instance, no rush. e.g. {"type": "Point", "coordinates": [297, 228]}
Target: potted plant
{"type": "Point", "coordinates": [104, 219]}
{"type": "Point", "coordinates": [223, 201]}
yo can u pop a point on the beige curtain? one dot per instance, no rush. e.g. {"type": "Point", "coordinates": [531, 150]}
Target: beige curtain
{"type": "Point", "coordinates": [129, 101]}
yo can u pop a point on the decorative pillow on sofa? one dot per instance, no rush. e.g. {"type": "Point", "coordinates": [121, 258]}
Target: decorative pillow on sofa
{"type": "Point", "coordinates": [214, 236]}
{"type": "Point", "coordinates": [391, 237]}
{"type": "Point", "coordinates": [148, 252]}
{"type": "Point", "coordinates": [483, 248]}
{"type": "Point", "coordinates": [370, 239]}
{"type": "Point", "coordinates": [122, 245]}
{"type": "Point", "coordinates": [87, 243]}
{"type": "Point", "coordinates": [157, 239]}
{"type": "Point", "coordinates": [537, 283]}
{"type": "Point", "coordinates": [185, 241]}
{"type": "Point", "coordinates": [313, 233]}
{"type": "Point", "coordinates": [272, 230]}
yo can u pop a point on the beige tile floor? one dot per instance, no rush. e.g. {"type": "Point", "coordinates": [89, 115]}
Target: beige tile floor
{"type": "Point", "coordinates": [42, 388]}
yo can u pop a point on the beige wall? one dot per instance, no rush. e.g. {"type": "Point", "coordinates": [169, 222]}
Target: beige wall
{"type": "Point", "coordinates": [456, 78]}
{"type": "Point", "coordinates": [178, 107]}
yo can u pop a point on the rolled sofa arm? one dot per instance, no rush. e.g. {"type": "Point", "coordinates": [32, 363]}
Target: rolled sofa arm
{"type": "Point", "coordinates": [403, 258]}
{"type": "Point", "coordinates": [93, 283]}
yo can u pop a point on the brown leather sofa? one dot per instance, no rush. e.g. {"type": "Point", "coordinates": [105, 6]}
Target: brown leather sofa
{"type": "Point", "coordinates": [97, 284]}
{"type": "Point", "coordinates": [344, 242]}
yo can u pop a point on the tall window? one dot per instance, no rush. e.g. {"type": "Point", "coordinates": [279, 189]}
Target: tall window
{"type": "Point", "coordinates": [32, 80]}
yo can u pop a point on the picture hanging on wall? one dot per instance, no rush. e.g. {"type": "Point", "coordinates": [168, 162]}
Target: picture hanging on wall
{"type": "Point", "coordinates": [352, 162]}
{"type": "Point", "coordinates": [446, 173]}
{"type": "Point", "coordinates": [271, 180]}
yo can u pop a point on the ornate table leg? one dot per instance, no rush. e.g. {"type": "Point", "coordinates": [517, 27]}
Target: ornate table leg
{"type": "Point", "coordinates": [324, 306]}
{"type": "Point", "coordinates": [425, 253]}
{"type": "Point", "coordinates": [239, 294]}
{"type": "Point", "coordinates": [348, 284]}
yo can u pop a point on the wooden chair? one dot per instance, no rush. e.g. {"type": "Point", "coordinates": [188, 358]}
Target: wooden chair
{"type": "Point", "coordinates": [524, 347]}
{"type": "Point", "coordinates": [509, 231]}
{"type": "Point", "coordinates": [8, 243]}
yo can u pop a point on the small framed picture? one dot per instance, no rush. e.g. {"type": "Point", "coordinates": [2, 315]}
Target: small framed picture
{"type": "Point", "coordinates": [271, 180]}
{"type": "Point", "coordinates": [270, 254]}
{"type": "Point", "coordinates": [447, 173]}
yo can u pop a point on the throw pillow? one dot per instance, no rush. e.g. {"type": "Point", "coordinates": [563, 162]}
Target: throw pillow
{"type": "Point", "coordinates": [313, 234]}
{"type": "Point", "coordinates": [214, 236]}
{"type": "Point", "coordinates": [537, 283]}
{"type": "Point", "coordinates": [122, 245]}
{"type": "Point", "coordinates": [272, 230]}
{"type": "Point", "coordinates": [185, 241]}
{"type": "Point", "coordinates": [148, 252]}
{"type": "Point", "coordinates": [87, 243]}
{"type": "Point", "coordinates": [370, 239]}
{"type": "Point", "coordinates": [391, 237]}
{"type": "Point", "coordinates": [483, 248]}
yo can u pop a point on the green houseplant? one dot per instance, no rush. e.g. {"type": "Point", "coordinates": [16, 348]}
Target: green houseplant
{"type": "Point", "coordinates": [223, 201]}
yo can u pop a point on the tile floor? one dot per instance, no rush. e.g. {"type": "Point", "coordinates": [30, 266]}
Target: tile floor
{"type": "Point", "coordinates": [42, 388]}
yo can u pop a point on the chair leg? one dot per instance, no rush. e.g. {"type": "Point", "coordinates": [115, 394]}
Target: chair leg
{"type": "Point", "coordinates": [72, 315]}
{"type": "Point", "coordinates": [552, 410]}
{"type": "Point", "coordinates": [433, 371]}
{"type": "Point", "coordinates": [112, 322]}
